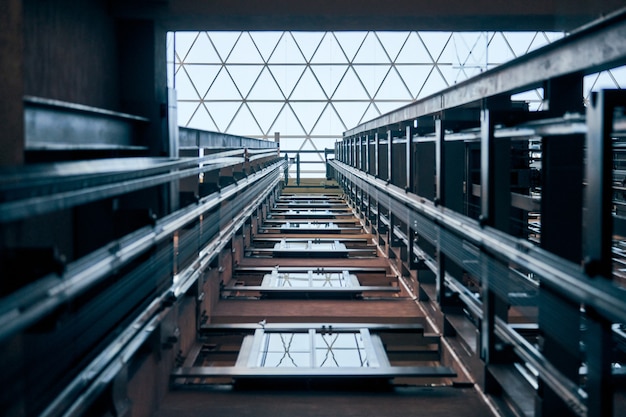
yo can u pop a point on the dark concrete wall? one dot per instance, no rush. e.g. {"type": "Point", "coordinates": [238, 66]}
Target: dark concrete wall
{"type": "Point", "coordinates": [70, 52]}
{"type": "Point", "coordinates": [11, 84]}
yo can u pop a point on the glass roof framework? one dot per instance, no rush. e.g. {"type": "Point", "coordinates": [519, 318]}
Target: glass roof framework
{"type": "Point", "coordinates": [312, 86]}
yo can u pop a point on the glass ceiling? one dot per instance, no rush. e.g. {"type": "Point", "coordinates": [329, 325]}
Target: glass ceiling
{"type": "Point", "coordinates": [312, 86]}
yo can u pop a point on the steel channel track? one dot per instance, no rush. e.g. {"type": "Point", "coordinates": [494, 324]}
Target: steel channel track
{"type": "Point", "coordinates": [27, 207]}
{"type": "Point", "coordinates": [86, 387]}
{"type": "Point", "coordinates": [34, 301]}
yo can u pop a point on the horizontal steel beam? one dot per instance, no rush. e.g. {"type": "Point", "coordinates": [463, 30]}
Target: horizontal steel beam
{"type": "Point", "coordinates": [309, 373]}
{"type": "Point", "coordinates": [196, 138]}
{"type": "Point", "coordinates": [290, 327]}
{"type": "Point", "coordinates": [311, 290]}
{"type": "Point", "coordinates": [101, 182]}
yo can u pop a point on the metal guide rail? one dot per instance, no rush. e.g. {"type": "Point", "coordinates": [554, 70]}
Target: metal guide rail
{"type": "Point", "coordinates": [115, 297]}
{"type": "Point", "coordinates": [43, 188]}
{"type": "Point", "coordinates": [515, 217]}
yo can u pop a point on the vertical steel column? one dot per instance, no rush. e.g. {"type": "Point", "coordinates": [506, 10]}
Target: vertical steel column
{"type": "Point", "coordinates": [495, 197]}
{"type": "Point", "coordinates": [409, 159]}
{"type": "Point", "coordinates": [559, 319]}
{"type": "Point", "coordinates": [367, 154]}
{"type": "Point", "coordinates": [440, 171]}
{"type": "Point", "coordinates": [440, 199]}
{"type": "Point", "coordinates": [487, 185]}
{"type": "Point", "coordinates": [377, 155]}
{"type": "Point", "coordinates": [598, 192]}
{"type": "Point", "coordinates": [598, 232]}
{"type": "Point", "coordinates": [389, 158]}
{"type": "Point", "coordinates": [298, 169]}
{"type": "Point", "coordinates": [495, 178]}
{"type": "Point", "coordinates": [349, 145]}
{"type": "Point", "coordinates": [339, 150]}
{"type": "Point", "coordinates": [359, 153]}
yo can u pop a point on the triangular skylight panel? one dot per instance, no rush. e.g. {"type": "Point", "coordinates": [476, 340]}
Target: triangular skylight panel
{"type": "Point", "coordinates": [315, 157]}
{"type": "Point", "coordinates": [520, 42]}
{"type": "Point", "coordinates": [539, 40]}
{"type": "Point", "coordinates": [201, 120]}
{"type": "Point", "coordinates": [465, 49]}
{"type": "Point", "coordinates": [244, 124]}
{"type": "Point", "coordinates": [308, 113]}
{"type": "Point", "coordinates": [265, 114]}
{"type": "Point", "coordinates": [265, 88]}
{"type": "Point", "coordinates": [413, 51]}
{"type": "Point", "coordinates": [435, 42]}
{"type": "Point", "coordinates": [393, 88]}
{"type": "Point", "coordinates": [472, 71]}
{"type": "Point", "coordinates": [371, 51]}
{"type": "Point", "coordinates": [244, 76]}
{"type": "Point", "coordinates": [223, 88]}
{"type": "Point", "coordinates": [350, 42]}
{"type": "Point", "coordinates": [183, 42]}
{"type": "Point", "coordinates": [286, 52]}
{"type": "Point", "coordinates": [307, 145]}
{"type": "Point", "coordinates": [597, 82]}
{"type": "Point", "coordinates": [287, 76]}
{"type": "Point", "coordinates": [322, 143]}
{"type": "Point", "coordinates": [308, 42]}
{"type": "Point", "coordinates": [351, 112]}
{"type": "Point", "coordinates": [350, 88]}
{"type": "Point", "coordinates": [454, 74]}
{"type": "Point", "coordinates": [392, 42]}
{"type": "Point", "coordinates": [201, 75]}
{"type": "Point", "coordinates": [185, 111]}
{"type": "Point", "coordinates": [414, 76]}
{"type": "Point", "coordinates": [222, 113]}
{"type": "Point", "coordinates": [329, 76]}
{"type": "Point", "coordinates": [329, 123]}
{"type": "Point", "coordinates": [245, 52]}
{"type": "Point", "coordinates": [308, 88]}
{"type": "Point", "coordinates": [265, 42]}
{"type": "Point", "coordinates": [499, 50]}
{"type": "Point", "coordinates": [389, 106]}
{"type": "Point", "coordinates": [287, 123]}
{"type": "Point", "coordinates": [329, 51]}
{"type": "Point", "coordinates": [433, 84]}
{"type": "Point", "coordinates": [372, 76]}
{"type": "Point", "coordinates": [224, 42]}
{"type": "Point", "coordinates": [201, 52]}
{"type": "Point", "coordinates": [371, 113]}
{"type": "Point", "coordinates": [185, 88]}
{"type": "Point", "coordinates": [291, 145]}
{"type": "Point", "coordinates": [619, 74]}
